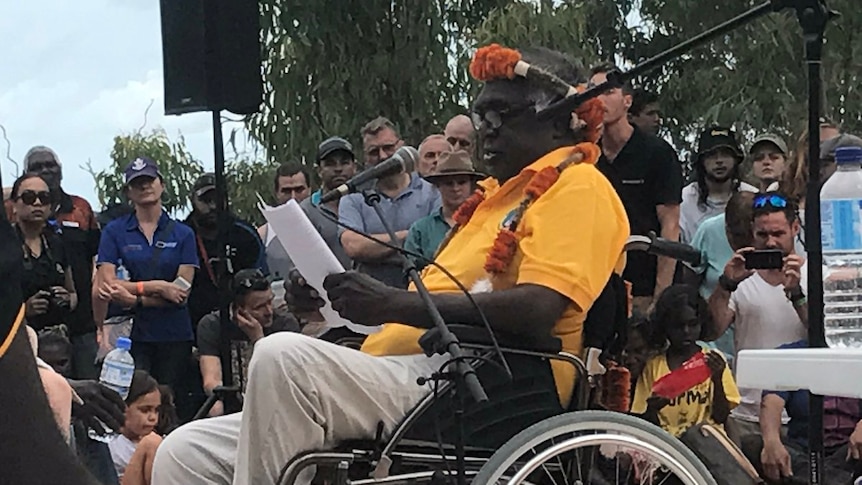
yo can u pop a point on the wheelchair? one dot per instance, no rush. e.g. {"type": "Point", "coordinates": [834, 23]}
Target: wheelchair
{"type": "Point", "coordinates": [522, 435]}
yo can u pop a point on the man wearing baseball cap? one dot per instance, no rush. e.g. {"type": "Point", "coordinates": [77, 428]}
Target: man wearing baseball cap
{"type": "Point", "coordinates": [716, 178]}
{"type": "Point", "coordinates": [769, 159]}
{"type": "Point", "coordinates": [247, 249]}
{"type": "Point", "coordinates": [456, 179]}
{"type": "Point", "coordinates": [336, 164]}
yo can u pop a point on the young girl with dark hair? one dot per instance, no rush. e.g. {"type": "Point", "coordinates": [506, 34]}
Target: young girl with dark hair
{"type": "Point", "coordinates": [680, 319]}
{"type": "Point", "coordinates": [134, 449]}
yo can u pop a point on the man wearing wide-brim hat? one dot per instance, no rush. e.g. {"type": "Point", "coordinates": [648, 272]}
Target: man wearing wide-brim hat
{"type": "Point", "coordinates": [456, 179]}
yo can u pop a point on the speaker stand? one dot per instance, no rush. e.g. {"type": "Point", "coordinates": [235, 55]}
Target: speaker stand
{"type": "Point", "coordinates": [223, 269]}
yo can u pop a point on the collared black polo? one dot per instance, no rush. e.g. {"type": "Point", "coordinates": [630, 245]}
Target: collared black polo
{"type": "Point", "coordinates": [646, 173]}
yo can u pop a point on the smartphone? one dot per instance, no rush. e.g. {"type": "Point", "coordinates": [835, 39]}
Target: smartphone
{"type": "Point", "coordinates": [182, 283]}
{"type": "Point", "coordinates": [764, 259]}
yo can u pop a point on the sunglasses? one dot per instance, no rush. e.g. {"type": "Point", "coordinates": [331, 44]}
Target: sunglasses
{"type": "Point", "coordinates": [770, 200]}
{"type": "Point", "coordinates": [254, 281]}
{"type": "Point", "coordinates": [29, 197]}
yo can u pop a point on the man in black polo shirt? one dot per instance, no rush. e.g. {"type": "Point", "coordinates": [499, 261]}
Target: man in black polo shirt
{"type": "Point", "coordinates": [646, 173]}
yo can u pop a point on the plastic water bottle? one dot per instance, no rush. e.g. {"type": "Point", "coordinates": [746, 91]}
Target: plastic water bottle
{"type": "Point", "coordinates": [117, 372]}
{"type": "Point", "coordinates": [841, 235]}
{"type": "Point", "coordinates": [122, 272]}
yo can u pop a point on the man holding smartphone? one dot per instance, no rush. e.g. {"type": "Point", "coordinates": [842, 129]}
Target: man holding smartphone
{"type": "Point", "coordinates": [762, 292]}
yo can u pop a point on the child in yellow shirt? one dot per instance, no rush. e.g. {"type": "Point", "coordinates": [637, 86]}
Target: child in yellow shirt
{"type": "Point", "coordinates": [680, 316]}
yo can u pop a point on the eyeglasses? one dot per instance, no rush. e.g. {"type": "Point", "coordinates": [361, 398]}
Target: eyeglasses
{"type": "Point", "coordinates": [495, 118]}
{"type": "Point", "coordinates": [771, 200]}
{"type": "Point", "coordinates": [29, 197]}
{"type": "Point", "coordinates": [382, 151]}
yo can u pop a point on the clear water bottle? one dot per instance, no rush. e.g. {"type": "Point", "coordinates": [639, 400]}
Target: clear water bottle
{"type": "Point", "coordinates": [122, 272]}
{"type": "Point", "coordinates": [841, 235]}
{"type": "Point", "coordinates": [117, 372]}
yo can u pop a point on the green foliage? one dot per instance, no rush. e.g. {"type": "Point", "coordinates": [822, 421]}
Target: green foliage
{"type": "Point", "coordinates": [330, 66]}
{"type": "Point", "coordinates": [176, 164]}
{"type": "Point", "coordinates": [246, 178]}
{"type": "Point", "coordinates": [589, 30]}
{"type": "Point", "coordinates": [754, 78]}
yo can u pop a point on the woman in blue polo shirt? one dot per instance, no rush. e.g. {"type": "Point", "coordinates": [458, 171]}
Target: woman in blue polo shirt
{"type": "Point", "coordinates": [156, 251]}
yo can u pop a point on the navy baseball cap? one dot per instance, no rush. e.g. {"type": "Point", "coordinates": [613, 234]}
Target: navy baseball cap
{"type": "Point", "coordinates": [142, 167]}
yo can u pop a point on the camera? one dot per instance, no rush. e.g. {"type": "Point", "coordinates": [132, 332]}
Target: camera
{"type": "Point", "coordinates": [58, 302]}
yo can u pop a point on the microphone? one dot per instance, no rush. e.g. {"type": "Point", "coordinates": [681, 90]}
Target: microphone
{"type": "Point", "coordinates": [405, 157]}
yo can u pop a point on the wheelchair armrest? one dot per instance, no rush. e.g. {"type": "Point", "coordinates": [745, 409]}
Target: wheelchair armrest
{"type": "Point", "coordinates": [221, 391]}
{"type": "Point", "coordinates": [469, 334]}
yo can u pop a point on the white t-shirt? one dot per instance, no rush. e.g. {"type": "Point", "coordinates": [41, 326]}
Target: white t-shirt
{"type": "Point", "coordinates": [765, 319]}
{"type": "Point", "coordinates": [122, 449]}
{"type": "Point", "coordinates": [691, 213]}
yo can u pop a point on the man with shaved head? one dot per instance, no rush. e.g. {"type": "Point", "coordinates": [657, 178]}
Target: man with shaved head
{"type": "Point", "coordinates": [429, 153]}
{"type": "Point", "coordinates": [460, 133]}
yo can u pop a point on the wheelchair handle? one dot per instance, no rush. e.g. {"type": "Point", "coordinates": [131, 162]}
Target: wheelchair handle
{"type": "Point", "coordinates": [658, 246]}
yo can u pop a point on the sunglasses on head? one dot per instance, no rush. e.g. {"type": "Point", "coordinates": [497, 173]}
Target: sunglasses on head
{"type": "Point", "coordinates": [770, 200]}
{"type": "Point", "coordinates": [29, 197]}
{"type": "Point", "coordinates": [255, 280]}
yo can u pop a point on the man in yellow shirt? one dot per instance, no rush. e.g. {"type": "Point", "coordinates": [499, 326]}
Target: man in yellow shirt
{"type": "Point", "coordinates": [537, 248]}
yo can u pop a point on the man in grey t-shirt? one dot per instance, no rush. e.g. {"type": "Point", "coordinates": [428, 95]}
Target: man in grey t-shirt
{"type": "Point", "coordinates": [253, 317]}
{"type": "Point", "coordinates": [336, 163]}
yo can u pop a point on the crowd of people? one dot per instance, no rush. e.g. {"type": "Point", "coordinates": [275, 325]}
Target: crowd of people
{"type": "Point", "coordinates": [535, 239]}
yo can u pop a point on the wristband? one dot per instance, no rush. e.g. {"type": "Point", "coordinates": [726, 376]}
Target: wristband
{"type": "Point", "coordinates": [139, 302]}
{"type": "Point", "coordinates": [140, 288]}
{"type": "Point", "coordinates": [727, 284]}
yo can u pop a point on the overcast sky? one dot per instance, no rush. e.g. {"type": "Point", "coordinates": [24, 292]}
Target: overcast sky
{"type": "Point", "coordinates": [75, 74]}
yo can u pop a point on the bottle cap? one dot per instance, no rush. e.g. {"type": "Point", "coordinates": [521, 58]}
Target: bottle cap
{"type": "Point", "coordinates": [124, 343]}
{"type": "Point", "coordinates": [848, 155]}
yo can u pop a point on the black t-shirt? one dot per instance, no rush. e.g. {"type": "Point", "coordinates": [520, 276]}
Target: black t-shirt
{"type": "Point", "coordinates": [646, 173]}
{"type": "Point", "coordinates": [80, 251]}
{"type": "Point", "coordinates": [209, 340]}
{"type": "Point", "coordinates": [247, 252]}
{"type": "Point", "coordinates": [41, 273]}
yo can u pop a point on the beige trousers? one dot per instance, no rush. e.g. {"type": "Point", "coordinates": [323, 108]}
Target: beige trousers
{"type": "Point", "coordinates": [303, 394]}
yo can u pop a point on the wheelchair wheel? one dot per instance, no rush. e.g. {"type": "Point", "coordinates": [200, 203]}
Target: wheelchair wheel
{"type": "Point", "coordinates": [593, 448]}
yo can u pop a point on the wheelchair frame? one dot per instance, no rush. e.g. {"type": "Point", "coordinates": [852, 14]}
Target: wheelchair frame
{"type": "Point", "coordinates": [383, 460]}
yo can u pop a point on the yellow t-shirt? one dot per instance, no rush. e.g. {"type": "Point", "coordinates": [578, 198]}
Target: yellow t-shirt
{"type": "Point", "coordinates": [693, 407]}
{"type": "Point", "coordinates": [570, 240]}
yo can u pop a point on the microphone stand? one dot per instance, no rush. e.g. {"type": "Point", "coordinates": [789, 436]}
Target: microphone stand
{"type": "Point", "coordinates": [443, 341]}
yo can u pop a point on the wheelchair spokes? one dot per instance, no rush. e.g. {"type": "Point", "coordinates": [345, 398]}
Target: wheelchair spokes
{"type": "Point", "coordinates": [594, 448]}
{"type": "Point", "coordinates": [591, 459]}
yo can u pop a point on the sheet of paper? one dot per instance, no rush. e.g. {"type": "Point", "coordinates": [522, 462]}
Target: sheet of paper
{"type": "Point", "coordinates": [309, 252]}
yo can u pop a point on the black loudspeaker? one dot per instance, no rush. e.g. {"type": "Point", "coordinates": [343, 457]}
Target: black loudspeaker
{"type": "Point", "coordinates": [212, 56]}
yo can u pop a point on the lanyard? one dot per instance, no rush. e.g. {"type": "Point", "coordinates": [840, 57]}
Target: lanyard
{"type": "Point", "coordinates": [206, 259]}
